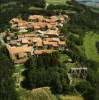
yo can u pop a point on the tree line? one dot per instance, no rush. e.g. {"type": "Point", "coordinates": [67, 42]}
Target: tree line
{"type": "Point", "coordinates": [7, 84]}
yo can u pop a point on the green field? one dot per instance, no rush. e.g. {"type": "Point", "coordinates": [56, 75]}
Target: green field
{"type": "Point", "coordinates": [56, 1]}
{"type": "Point", "coordinates": [90, 46]}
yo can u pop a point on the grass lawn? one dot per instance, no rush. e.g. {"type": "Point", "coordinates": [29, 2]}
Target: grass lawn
{"type": "Point", "coordinates": [90, 46]}
{"type": "Point", "coordinates": [56, 1]}
{"type": "Point", "coordinates": [43, 93]}
{"type": "Point", "coordinates": [63, 57]}
{"type": "Point", "coordinates": [67, 97]}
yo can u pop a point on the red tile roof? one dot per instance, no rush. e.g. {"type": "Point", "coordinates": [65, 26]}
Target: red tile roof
{"type": "Point", "coordinates": [22, 49]}
{"type": "Point", "coordinates": [52, 32]}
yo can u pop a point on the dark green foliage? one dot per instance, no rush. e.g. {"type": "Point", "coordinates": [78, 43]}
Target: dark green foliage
{"type": "Point", "coordinates": [13, 8]}
{"type": "Point", "coordinates": [37, 3]}
{"type": "Point", "coordinates": [7, 87]}
{"type": "Point", "coordinates": [88, 91]}
{"type": "Point", "coordinates": [93, 78]}
{"type": "Point", "coordinates": [83, 87]}
{"type": "Point", "coordinates": [43, 61]}
{"type": "Point", "coordinates": [46, 70]}
{"type": "Point", "coordinates": [58, 7]}
{"type": "Point", "coordinates": [75, 40]}
{"type": "Point", "coordinates": [56, 86]}
{"type": "Point", "coordinates": [91, 90]}
{"type": "Point", "coordinates": [97, 46]}
{"type": "Point", "coordinates": [91, 94]}
{"type": "Point", "coordinates": [82, 21]}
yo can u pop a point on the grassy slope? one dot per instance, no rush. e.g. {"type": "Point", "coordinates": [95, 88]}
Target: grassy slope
{"type": "Point", "coordinates": [37, 94]}
{"type": "Point", "coordinates": [90, 46]}
{"type": "Point", "coordinates": [63, 58]}
{"type": "Point", "coordinates": [56, 1]}
{"type": "Point", "coordinates": [71, 97]}
{"type": "Point", "coordinates": [45, 94]}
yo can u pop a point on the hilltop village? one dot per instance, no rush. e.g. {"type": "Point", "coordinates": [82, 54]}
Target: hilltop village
{"type": "Point", "coordinates": [38, 35]}
{"type": "Point", "coordinates": [49, 50]}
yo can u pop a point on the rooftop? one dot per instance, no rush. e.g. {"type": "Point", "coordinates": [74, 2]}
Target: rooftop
{"type": "Point", "coordinates": [38, 41]}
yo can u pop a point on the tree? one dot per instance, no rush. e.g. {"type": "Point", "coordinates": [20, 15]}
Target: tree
{"type": "Point", "coordinates": [45, 70]}
{"type": "Point", "coordinates": [21, 7]}
{"type": "Point", "coordinates": [7, 86]}
{"type": "Point", "coordinates": [29, 3]}
{"type": "Point", "coordinates": [91, 94]}
{"type": "Point", "coordinates": [83, 87]}
{"type": "Point", "coordinates": [56, 84]}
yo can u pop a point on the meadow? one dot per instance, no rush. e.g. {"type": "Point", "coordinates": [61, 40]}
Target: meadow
{"type": "Point", "coordinates": [90, 46]}
{"type": "Point", "coordinates": [56, 1]}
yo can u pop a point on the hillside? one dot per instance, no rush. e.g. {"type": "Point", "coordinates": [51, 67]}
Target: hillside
{"type": "Point", "coordinates": [70, 72]}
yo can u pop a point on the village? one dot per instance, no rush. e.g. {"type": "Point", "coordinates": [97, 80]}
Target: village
{"type": "Point", "coordinates": [45, 52]}
{"type": "Point", "coordinates": [39, 35]}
